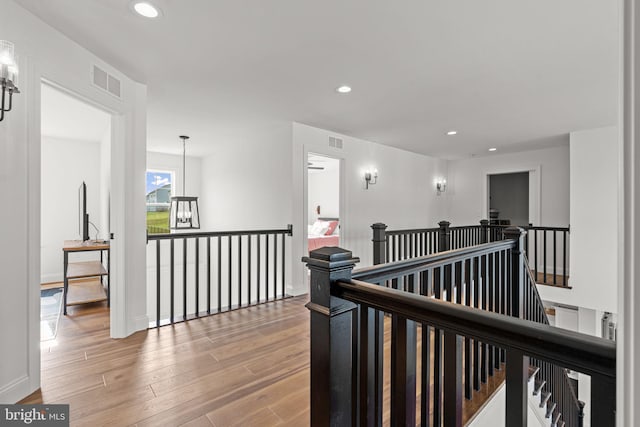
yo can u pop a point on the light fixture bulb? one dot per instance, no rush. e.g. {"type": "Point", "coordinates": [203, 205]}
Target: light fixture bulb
{"type": "Point", "coordinates": [146, 9]}
{"type": "Point", "coordinates": [7, 50]}
{"type": "Point", "coordinates": [343, 89]}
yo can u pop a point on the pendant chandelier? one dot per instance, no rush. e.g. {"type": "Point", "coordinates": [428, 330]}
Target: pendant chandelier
{"type": "Point", "coordinates": [184, 213]}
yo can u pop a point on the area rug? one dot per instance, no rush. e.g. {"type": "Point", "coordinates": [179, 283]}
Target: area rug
{"type": "Point", "coordinates": [50, 309]}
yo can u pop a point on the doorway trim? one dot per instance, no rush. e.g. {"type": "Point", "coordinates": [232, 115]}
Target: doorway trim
{"type": "Point", "coordinates": [535, 186]}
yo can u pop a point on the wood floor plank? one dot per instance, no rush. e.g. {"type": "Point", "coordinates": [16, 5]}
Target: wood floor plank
{"type": "Point", "coordinates": [245, 367]}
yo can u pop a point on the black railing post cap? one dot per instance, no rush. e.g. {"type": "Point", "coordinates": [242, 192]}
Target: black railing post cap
{"type": "Point", "coordinates": [330, 257]}
{"type": "Point", "coordinates": [484, 222]}
{"type": "Point", "coordinates": [379, 225]}
{"type": "Point", "coordinates": [444, 224]}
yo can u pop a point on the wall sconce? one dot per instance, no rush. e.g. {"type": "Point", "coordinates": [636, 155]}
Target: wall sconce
{"type": "Point", "coordinates": [370, 178]}
{"type": "Point", "coordinates": [8, 76]}
{"type": "Point", "coordinates": [441, 186]}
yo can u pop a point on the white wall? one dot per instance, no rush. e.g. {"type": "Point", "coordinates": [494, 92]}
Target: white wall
{"type": "Point", "coordinates": [466, 190]}
{"type": "Point", "coordinates": [594, 214]}
{"type": "Point", "coordinates": [246, 184]}
{"type": "Point", "coordinates": [65, 165]}
{"type": "Point", "coordinates": [324, 191]}
{"type": "Point", "coordinates": [404, 197]}
{"type": "Point", "coordinates": [46, 53]}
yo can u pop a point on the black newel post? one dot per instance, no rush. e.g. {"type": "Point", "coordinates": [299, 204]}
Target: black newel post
{"type": "Point", "coordinates": [333, 391]}
{"type": "Point", "coordinates": [484, 226]}
{"type": "Point", "coordinates": [516, 284]}
{"type": "Point", "coordinates": [517, 361]}
{"type": "Point", "coordinates": [379, 243]}
{"type": "Point", "coordinates": [444, 236]}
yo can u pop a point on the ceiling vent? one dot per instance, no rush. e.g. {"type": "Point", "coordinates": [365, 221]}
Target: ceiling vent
{"type": "Point", "coordinates": [106, 81]}
{"type": "Point", "coordinates": [335, 142]}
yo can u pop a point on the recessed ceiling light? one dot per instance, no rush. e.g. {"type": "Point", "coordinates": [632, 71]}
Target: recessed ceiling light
{"type": "Point", "coordinates": [343, 89]}
{"type": "Point", "coordinates": [452, 132]}
{"type": "Point", "coordinates": [146, 9]}
{"type": "Point", "coordinates": [492, 149]}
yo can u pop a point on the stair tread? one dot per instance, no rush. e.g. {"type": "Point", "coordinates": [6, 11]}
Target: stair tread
{"type": "Point", "coordinates": [538, 386]}
{"type": "Point", "coordinates": [550, 407]}
{"type": "Point", "coordinates": [533, 370]}
{"type": "Point", "coordinates": [544, 397]}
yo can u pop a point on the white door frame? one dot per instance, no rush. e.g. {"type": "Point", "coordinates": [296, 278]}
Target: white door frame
{"type": "Point", "coordinates": [535, 185]}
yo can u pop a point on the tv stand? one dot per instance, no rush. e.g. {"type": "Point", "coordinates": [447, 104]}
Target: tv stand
{"type": "Point", "coordinates": [84, 293]}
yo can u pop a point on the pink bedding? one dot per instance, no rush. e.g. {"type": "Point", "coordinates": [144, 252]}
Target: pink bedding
{"type": "Point", "coordinates": [316, 242]}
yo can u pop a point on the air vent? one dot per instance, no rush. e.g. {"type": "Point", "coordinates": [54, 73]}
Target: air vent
{"type": "Point", "coordinates": [335, 142]}
{"type": "Point", "coordinates": [106, 81]}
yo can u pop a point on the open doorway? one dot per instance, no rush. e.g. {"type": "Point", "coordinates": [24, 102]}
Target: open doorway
{"type": "Point", "coordinates": [509, 198]}
{"type": "Point", "coordinates": [323, 198]}
{"type": "Point", "coordinates": [75, 230]}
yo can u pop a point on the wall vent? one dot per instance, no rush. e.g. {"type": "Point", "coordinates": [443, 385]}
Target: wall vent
{"type": "Point", "coordinates": [335, 142]}
{"type": "Point", "coordinates": [106, 81]}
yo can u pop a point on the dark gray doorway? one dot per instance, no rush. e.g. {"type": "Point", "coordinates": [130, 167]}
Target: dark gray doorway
{"type": "Point", "coordinates": [509, 198]}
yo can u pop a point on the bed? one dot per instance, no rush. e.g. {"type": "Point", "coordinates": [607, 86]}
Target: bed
{"type": "Point", "coordinates": [323, 232]}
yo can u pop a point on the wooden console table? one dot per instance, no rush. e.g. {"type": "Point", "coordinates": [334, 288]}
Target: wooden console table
{"type": "Point", "coordinates": [83, 293]}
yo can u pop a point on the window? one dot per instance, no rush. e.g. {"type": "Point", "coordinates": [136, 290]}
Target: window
{"type": "Point", "coordinates": [159, 186]}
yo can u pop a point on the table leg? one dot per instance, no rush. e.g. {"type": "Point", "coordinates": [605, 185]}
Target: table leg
{"type": "Point", "coordinates": [66, 280]}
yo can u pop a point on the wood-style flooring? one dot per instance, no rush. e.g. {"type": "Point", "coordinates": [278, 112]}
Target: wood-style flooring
{"type": "Point", "coordinates": [247, 367]}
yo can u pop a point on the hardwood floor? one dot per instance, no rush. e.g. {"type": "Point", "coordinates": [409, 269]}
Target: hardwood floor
{"type": "Point", "coordinates": [246, 367]}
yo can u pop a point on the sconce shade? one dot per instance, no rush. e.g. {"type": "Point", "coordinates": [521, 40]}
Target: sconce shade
{"type": "Point", "coordinates": [184, 213]}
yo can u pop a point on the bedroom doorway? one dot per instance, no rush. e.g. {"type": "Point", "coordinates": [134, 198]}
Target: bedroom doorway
{"type": "Point", "coordinates": [323, 201]}
{"type": "Point", "coordinates": [75, 171]}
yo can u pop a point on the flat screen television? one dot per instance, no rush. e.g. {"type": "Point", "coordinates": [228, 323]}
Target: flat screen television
{"type": "Point", "coordinates": [83, 216]}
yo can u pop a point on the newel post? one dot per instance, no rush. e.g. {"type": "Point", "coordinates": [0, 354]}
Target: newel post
{"type": "Point", "coordinates": [333, 391]}
{"type": "Point", "coordinates": [444, 236]}
{"type": "Point", "coordinates": [517, 362]}
{"type": "Point", "coordinates": [484, 227]}
{"type": "Point", "coordinates": [379, 243]}
{"type": "Point", "coordinates": [516, 284]}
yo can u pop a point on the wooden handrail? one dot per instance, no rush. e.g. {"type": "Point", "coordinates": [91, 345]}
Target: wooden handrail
{"type": "Point", "coordinates": [580, 352]}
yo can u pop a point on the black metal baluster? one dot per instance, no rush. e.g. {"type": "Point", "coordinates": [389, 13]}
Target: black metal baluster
{"type": "Point", "coordinates": [564, 258]}
{"type": "Point", "coordinates": [266, 267]}
{"type": "Point", "coordinates": [249, 269]}
{"type": "Point", "coordinates": [452, 407]}
{"type": "Point", "coordinates": [184, 279]}
{"type": "Point", "coordinates": [275, 266]}
{"type": "Point", "coordinates": [555, 272]}
{"type": "Point", "coordinates": [219, 274]}
{"type": "Point", "coordinates": [158, 283]}
{"type": "Point", "coordinates": [230, 271]}
{"type": "Point", "coordinates": [544, 256]}
{"type": "Point", "coordinates": [197, 277]}
{"type": "Point", "coordinates": [172, 283]}
{"type": "Point", "coordinates": [283, 265]}
{"type": "Point", "coordinates": [491, 307]}
{"type": "Point", "coordinates": [240, 271]}
{"type": "Point", "coordinates": [208, 275]}
{"type": "Point", "coordinates": [535, 254]}
{"type": "Point", "coordinates": [258, 265]}
{"type": "Point", "coordinates": [476, 304]}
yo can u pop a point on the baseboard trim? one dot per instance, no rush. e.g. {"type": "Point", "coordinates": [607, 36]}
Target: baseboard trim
{"type": "Point", "coordinates": [16, 390]}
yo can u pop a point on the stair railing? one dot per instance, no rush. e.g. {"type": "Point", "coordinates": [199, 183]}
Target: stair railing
{"type": "Point", "coordinates": [487, 284]}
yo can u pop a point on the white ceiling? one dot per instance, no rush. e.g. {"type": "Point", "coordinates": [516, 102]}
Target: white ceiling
{"type": "Point", "coordinates": [66, 117]}
{"type": "Point", "coordinates": [506, 73]}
